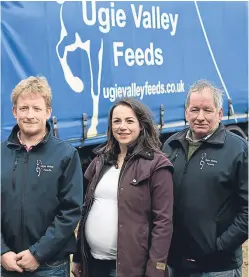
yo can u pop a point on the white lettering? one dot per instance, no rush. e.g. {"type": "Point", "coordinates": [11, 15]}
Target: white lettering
{"type": "Point", "coordinates": [154, 19]}
{"type": "Point", "coordinates": [140, 91]}
{"type": "Point", "coordinates": [165, 21]}
{"type": "Point", "coordinates": [91, 21]}
{"type": "Point", "coordinates": [173, 21]}
{"type": "Point", "coordinates": [107, 17]}
{"type": "Point", "coordinates": [117, 53]}
{"type": "Point", "coordinates": [137, 17]}
{"type": "Point", "coordinates": [139, 57]}
{"type": "Point", "coordinates": [147, 23]}
{"type": "Point", "coordinates": [129, 57]}
{"type": "Point", "coordinates": [121, 18]}
{"type": "Point", "coordinates": [149, 56]}
{"type": "Point", "coordinates": [158, 56]}
{"type": "Point", "coordinates": [104, 20]}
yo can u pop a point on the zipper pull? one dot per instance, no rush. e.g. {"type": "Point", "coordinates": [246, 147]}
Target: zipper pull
{"type": "Point", "coordinates": [14, 174]}
{"type": "Point", "coordinates": [185, 168]}
{"type": "Point", "coordinates": [15, 165]}
{"type": "Point", "coordinates": [26, 158]}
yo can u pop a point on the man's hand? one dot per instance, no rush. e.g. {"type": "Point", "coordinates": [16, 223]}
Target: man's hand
{"type": "Point", "coordinates": [76, 269]}
{"type": "Point", "coordinates": [9, 262]}
{"type": "Point", "coordinates": [27, 261]}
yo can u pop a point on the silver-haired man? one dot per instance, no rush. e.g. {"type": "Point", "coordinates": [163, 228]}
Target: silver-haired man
{"type": "Point", "coordinates": [210, 190]}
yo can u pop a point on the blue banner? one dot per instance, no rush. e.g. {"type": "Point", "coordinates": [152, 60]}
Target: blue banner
{"type": "Point", "coordinates": [93, 53]}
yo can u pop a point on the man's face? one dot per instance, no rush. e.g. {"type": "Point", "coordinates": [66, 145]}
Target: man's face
{"type": "Point", "coordinates": [201, 114]}
{"type": "Point", "coordinates": [31, 114]}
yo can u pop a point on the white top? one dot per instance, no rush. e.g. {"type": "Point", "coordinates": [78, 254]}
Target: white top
{"type": "Point", "coordinates": [102, 222]}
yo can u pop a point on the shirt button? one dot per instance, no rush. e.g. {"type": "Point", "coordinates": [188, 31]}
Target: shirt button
{"type": "Point", "coordinates": [122, 189]}
{"type": "Point", "coordinates": [134, 180]}
{"type": "Point", "coordinates": [120, 225]}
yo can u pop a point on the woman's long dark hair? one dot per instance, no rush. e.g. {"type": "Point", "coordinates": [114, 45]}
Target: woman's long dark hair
{"type": "Point", "coordinates": [148, 139]}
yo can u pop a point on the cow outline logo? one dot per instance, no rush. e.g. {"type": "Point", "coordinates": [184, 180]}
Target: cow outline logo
{"type": "Point", "coordinates": [76, 83]}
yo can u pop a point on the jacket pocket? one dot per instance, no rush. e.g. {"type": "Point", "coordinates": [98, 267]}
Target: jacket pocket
{"type": "Point", "coordinates": [55, 264]}
{"type": "Point", "coordinates": [139, 180]}
{"type": "Point", "coordinates": [224, 217]}
{"type": "Point", "coordinates": [200, 241]}
{"type": "Point", "coordinates": [144, 236]}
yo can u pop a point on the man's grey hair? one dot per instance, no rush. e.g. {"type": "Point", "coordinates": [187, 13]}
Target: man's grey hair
{"type": "Point", "coordinates": [199, 86]}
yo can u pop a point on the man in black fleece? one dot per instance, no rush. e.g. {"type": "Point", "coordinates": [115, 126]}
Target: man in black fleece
{"type": "Point", "coordinates": [41, 189]}
{"type": "Point", "coordinates": [210, 190]}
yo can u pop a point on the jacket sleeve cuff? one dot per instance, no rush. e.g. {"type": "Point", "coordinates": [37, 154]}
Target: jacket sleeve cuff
{"type": "Point", "coordinates": [4, 250]}
{"type": "Point", "coordinates": [158, 269]}
{"type": "Point", "coordinates": [76, 258]}
{"type": "Point", "coordinates": [32, 250]}
{"type": "Point", "coordinates": [4, 246]}
{"type": "Point", "coordinates": [219, 244]}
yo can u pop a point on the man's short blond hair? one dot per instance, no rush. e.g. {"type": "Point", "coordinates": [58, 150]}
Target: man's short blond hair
{"type": "Point", "coordinates": [33, 85]}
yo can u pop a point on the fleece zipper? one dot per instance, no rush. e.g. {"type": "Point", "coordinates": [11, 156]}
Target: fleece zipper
{"type": "Point", "coordinates": [26, 158]}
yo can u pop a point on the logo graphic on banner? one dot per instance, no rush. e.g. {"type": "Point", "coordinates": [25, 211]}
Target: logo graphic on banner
{"type": "Point", "coordinates": [76, 83]}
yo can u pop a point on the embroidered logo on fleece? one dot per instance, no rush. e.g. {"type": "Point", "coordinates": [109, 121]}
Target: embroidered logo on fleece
{"type": "Point", "coordinates": [42, 167]}
{"type": "Point", "coordinates": [204, 160]}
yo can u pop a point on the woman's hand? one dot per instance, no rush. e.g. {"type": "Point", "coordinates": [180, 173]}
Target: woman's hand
{"type": "Point", "coordinates": [76, 269]}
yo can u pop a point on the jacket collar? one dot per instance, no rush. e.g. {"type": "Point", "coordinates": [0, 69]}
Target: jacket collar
{"type": "Point", "coordinates": [13, 141]}
{"type": "Point", "coordinates": [218, 137]}
{"type": "Point", "coordinates": [148, 155]}
{"type": "Point", "coordinates": [111, 159]}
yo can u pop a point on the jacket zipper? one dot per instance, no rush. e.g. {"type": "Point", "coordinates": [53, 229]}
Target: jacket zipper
{"type": "Point", "coordinates": [26, 158]}
{"type": "Point", "coordinates": [187, 161]}
{"type": "Point", "coordinates": [183, 175]}
{"type": "Point", "coordinates": [14, 175]}
{"type": "Point", "coordinates": [174, 156]}
{"type": "Point", "coordinates": [120, 178]}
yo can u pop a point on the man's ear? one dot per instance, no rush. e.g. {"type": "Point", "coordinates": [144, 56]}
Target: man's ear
{"type": "Point", "coordinates": [186, 114]}
{"type": "Point", "coordinates": [220, 114]}
{"type": "Point", "coordinates": [14, 112]}
{"type": "Point", "coordinates": [49, 113]}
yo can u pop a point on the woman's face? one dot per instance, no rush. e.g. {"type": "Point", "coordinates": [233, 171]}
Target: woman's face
{"type": "Point", "coordinates": [125, 125]}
